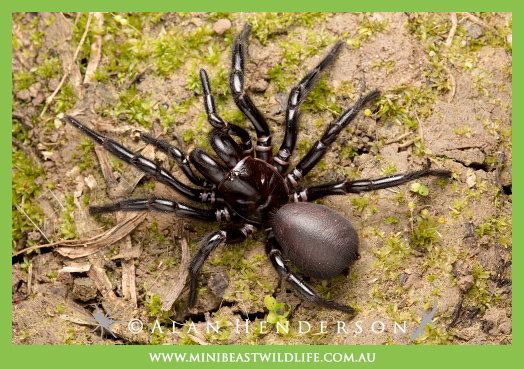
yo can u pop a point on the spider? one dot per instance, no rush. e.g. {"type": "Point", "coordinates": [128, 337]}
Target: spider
{"type": "Point", "coordinates": [249, 189]}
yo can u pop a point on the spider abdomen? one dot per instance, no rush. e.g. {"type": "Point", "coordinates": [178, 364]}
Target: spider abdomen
{"type": "Point", "coordinates": [318, 241]}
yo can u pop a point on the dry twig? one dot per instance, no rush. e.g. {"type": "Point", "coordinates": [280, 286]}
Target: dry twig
{"type": "Point", "coordinates": [397, 139]}
{"type": "Point", "coordinates": [451, 34]}
{"type": "Point", "coordinates": [449, 40]}
{"type": "Point", "coordinates": [176, 287]}
{"type": "Point", "coordinates": [406, 144]}
{"type": "Point", "coordinates": [98, 274]}
{"type": "Point", "coordinates": [96, 50]}
{"type": "Point", "coordinates": [27, 216]}
{"type": "Point", "coordinates": [121, 230]}
{"type": "Point", "coordinates": [474, 19]}
{"type": "Point", "coordinates": [50, 99]}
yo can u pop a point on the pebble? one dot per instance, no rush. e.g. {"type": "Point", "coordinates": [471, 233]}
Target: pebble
{"type": "Point", "coordinates": [465, 283]}
{"type": "Point", "coordinates": [34, 89]}
{"type": "Point", "coordinates": [84, 289]}
{"type": "Point", "coordinates": [474, 30]}
{"type": "Point", "coordinates": [53, 84]}
{"type": "Point", "coordinates": [91, 181]}
{"type": "Point", "coordinates": [218, 283]}
{"type": "Point", "coordinates": [485, 240]}
{"type": "Point", "coordinates": [40, 98]}
{"type": "Point", "coordinates": [471, 181]}
{"type": "Point", "coordinates": [23, 95]}
{"type": "Point", "coordinates": [259, 86]}
{"type": "Point", "coordinates": [221, 26]}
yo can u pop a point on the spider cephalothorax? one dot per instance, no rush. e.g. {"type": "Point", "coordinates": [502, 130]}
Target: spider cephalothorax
{"type": "Point", "coordinates": [248, 189]}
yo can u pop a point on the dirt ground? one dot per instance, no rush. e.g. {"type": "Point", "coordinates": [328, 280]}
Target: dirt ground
{"type": "Point", "coordinates": [445, 101]}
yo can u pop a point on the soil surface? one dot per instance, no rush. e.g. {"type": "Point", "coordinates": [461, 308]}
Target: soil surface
{"type": "Point", "coordinates": [445, 102]}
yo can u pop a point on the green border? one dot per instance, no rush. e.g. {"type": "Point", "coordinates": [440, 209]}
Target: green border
{"type": "Point", "coordinates": [134, 356]}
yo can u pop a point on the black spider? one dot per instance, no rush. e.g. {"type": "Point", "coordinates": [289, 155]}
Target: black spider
{"type": "Point", "coordinates": [249, 193]}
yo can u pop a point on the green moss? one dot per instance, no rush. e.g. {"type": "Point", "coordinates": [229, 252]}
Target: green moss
{"type": "Point", "coordinates": [425, 230]}
{"type": "Point", "coordinates": [67, 221]}
{"type": "Point", "coordinates": [23, 80]}
{"type": "Point", "coordinates": [281, 79]}
{"type": "Point", "coordinates": [478, 294]}
{"type": "Point", "coordinates": [188, 135]}
{"type": "Point", "coordinates": [50, 68]}
{"type": "Point", "coordinates": [65, 100]}
{"type": "Point", "coordinates": [359, 202]}
{"type": "Point", "coordinates": [321, 98]}
{"type": "Point", "coordinates": [26, 188]}
{"type": "Point", "coordinates": [277, 313]}
{"type": "Point", "coordinates": [464, 130]}
{"type": "Point", "coordinates": [85, 148]}
{"type": "Point", "coordinates": [393, 254]}
{"type": "Point", "coordinates": [137, 109]}
{"type": "Point", "coordinates": [390, 169]}
{"type": "Point", "coordinates": [268, 25]}
{"type": "Point", "coordinates": [389, 65]}
{"type": "Point", "coordinates": [367, 28]}
{"type": "Point", "coordinates": [152, 304]}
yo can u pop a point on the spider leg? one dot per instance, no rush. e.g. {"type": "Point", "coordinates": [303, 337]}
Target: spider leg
{"type": "Point", "coordinates": [274, 253]}
{"type": "Point", "coordinates": [210, 243]}
{"type": "Point", "coordinates": [225, 147]}
{"type": "Point", "coordinates": [216, 121]}
{"type": "Point", "coordinates": [320, 147]}
{"type": "Point", "coordinates": [176, 154]}
{"type": "Point", "coordinates": [208, 166]}
{"type": "Point", "coordinates": [243, 101]}
{"type": "Point", "coordinates": [165, 206]}
{"type": "Point", "coordinates": [296, 97]}
{"type": "Point", "coordinates": [145, 165]}
{"type": "Point", "coordinates": [362, 185]}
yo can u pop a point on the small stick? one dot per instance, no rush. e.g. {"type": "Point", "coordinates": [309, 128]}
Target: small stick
{"type": "Point", "coordinates": [447, 44]}
{"type": "Point", "coordinates": [29, 278]}
{"type": "Point", "coordinates": [451, 34]}
{"type": "Point", "coordinates": [137, 77]}
{"type": "Point", "coordinates": [50, 99]}
{"type": "Point", "coordinates": [421, 132]}
{"type": "Point", "coordinates": [474, 19]}
{"type": "Point", "coordinates": [23, 212]}
{"type": "Point", "coordinates": [99, 276]}
{"type": "Point", "coordinates": [56, 198]}
{"type": "Point", "coordinates": [391, 190]}
{"type": "Point", "coordinates": [198, 340]}
{"type": "Point", "coordinates": [453, 85]}
{"type": "Point", "coordinates": [81, 244]}
{"type": "Point", "coordinates": [398, 138]}
{"type": "Point", "coordinates": [96, 50]}
{"type": "Point", "coordinates": [177, 286]}
{"type": "Point", "coordinates": [406, 144]}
